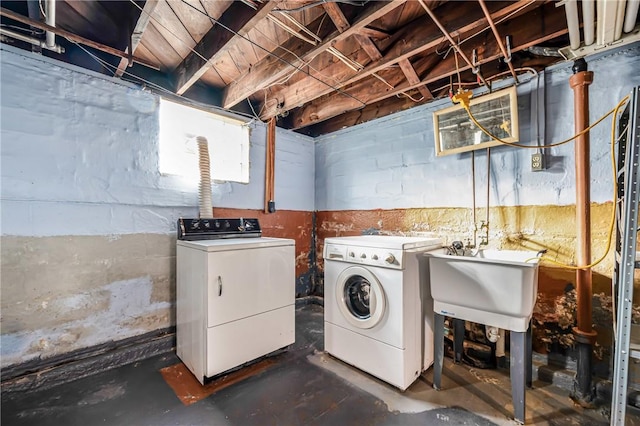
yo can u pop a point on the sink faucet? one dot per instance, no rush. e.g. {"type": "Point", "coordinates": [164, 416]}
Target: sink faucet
{"type": "Point", "coordinates": [456, 248]}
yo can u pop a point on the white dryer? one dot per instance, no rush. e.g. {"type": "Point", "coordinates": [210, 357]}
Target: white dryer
{"type": "Point", "coordinates": [378, 306]}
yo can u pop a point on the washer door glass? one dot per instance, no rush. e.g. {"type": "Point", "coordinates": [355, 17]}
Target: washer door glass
{"type": "Point", "coordinates": [360, 297]}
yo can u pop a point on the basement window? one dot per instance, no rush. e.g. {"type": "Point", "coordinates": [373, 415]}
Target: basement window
{"type": "Point", "coordinates": [228, 143]}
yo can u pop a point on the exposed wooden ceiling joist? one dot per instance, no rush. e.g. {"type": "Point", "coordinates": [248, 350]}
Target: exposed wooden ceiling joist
{"type": "Point", "coordinates": [296, 52]}
{"type": "Point", "coordinates": [72, 37]}
{"type": "Point", "coordinates": [238, 18]}
{"type": "Point", "coordinates": [548, 25]}
{"type": "Point", "coordinates": [413, 39]}
{"type": "Point", "coordinates": [136, 35]}
{"type": "Point", "coordinates": [360, 60]}
{"type": "Point", "coordinates": [342, 24]}
{"type": "Point", "coordinates": [413, 78]}
{"type": "Point", "coordinates": [336, 15]}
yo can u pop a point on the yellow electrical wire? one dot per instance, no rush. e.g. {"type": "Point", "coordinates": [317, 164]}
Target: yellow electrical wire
{"type": "Point", "coordinates": [615, 196]}
{"type": "Point", "coordinates": [464, 101]}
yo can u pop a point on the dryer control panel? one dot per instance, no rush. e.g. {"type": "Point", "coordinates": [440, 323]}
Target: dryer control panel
{"type": "Point", "coordinates": [383, 257]}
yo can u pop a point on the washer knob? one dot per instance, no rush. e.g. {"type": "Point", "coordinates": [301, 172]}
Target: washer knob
{"type": "Point", "coordinates": [390, 259]}
{"type": "Point", "coordinates": [363, 256]}
{"type": "Point", "coordinates": [351, 254]}
{"type": "Point", "coordinates": [374, 257]}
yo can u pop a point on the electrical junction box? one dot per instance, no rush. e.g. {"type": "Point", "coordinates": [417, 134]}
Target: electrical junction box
{"type": "Point", "coordinates": [536, 162]}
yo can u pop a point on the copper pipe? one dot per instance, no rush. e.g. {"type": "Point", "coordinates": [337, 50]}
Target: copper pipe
{"type": "Point", "coordinates": [580, 82]}
{"type": "Point", "coordinates": [473, 198]}
{"type": "Point", "coordinates": [73, 37]}
{"type": "Point", "coordinates": [498, 39]}
{"type": "Point", "coordinates": [269, 190]}
{"type": "Point", "coordinates": [451, 40]}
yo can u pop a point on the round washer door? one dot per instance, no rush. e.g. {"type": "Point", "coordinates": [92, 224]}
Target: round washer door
{"type": "Point", "coordinates": [360, 297]}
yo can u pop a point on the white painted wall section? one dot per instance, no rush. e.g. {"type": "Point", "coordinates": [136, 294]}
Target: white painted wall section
{"type": "Point", "coordinates": [390, 163]}
{"type": "Point", "coordinates": [80, 157]}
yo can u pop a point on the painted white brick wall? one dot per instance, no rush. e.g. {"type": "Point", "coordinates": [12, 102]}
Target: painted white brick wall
{"type": "Point", "coordinates": [80, 157]}
{"type": "Point", "coordinates": [390, 163]}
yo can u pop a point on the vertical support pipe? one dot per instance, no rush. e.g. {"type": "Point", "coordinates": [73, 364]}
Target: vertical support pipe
{"type": "Point", "coordinates": [573, 23]}
{"type": "Point", "coordinates": [585, 336]}
{"type": "Point", "coordinates": [496, 33]}
{"type": "Point", "coordinates": [438, 350]}
{"type": "Point", "coordinates": [473, 199]}
{"type": "Point", "coordinates": [51, 20]}
{"type": "Point", "coordinates": [630, 15]}
{"type": "Point", "coordinates": [589, 21]}
{"type": "Point", "coordinates": [269, 181]}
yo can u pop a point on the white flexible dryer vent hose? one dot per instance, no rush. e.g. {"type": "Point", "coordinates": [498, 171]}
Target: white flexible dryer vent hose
{"type": "Point", "coordinates": [206, 206]}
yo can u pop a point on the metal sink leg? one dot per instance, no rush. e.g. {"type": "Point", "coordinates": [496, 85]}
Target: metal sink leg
{"type": "Point", "coordinates": [520, 373]}
{"type": "Point", "coordinates": [438, 350]}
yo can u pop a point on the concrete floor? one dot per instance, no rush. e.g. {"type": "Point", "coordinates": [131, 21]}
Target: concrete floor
{"type": "Point", "coordinates": [303, 386]}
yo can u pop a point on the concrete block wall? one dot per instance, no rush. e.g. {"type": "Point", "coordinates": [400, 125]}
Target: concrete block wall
{"type": "Point", "coordinates": [383, 177]}
{"type": "Point", "coordinates": [88, 222]}
{"type": "Point", "coordinates": [390, 163]}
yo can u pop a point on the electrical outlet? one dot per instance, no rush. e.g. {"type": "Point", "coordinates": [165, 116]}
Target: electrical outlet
{"type": "Point", "coordinates": [536, 162]}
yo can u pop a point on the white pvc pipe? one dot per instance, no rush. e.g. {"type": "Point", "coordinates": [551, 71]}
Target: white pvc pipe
{"type": "Point", "coordinates": [32, 40]}
{"type": "Point", "coordinates": [631, 15]}
{"type": "Point", "coordinates": [619, 20]}
{"type": "Point", "coordinates": [206, 205]}
{"type": "Point", "coordinates": [589, 21]}
{"type": "Point", "coordinates": [571, 9]}
{"type": "Point", "coordinates": [51, 20]}
{"type": "Point", "coordinates": [607, 12]}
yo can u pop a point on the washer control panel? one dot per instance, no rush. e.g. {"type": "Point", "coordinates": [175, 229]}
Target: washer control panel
{"type": "Point", "coordinates": [387, 258]}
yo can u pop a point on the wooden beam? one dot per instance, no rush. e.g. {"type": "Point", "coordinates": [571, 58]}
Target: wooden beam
{"type": "Point", "coordinates": [368, 113]}
{"type": "Point", "coordinates": [73, 37]}
{"type": "Point", "coordinates": [238, 17]}
{"type": "Point", "coordinates": [415, 38]}
{"type": "Point", "coordinates": [541, 25]}
{"type": "Point", "coordinates": [413, 78]}
{"type": "Point", "coordinates": [341, 23]}
{"type": "Point", "coordinates": [138, 31]}
{"type": "Point", "coordinates": [374, 33]}
{"type": "Point", "coordinates": [369, 47]}
{"type": "Point", "coordinates": [296, 52]}
{"type": "Point", "coordinates": [336, 15]}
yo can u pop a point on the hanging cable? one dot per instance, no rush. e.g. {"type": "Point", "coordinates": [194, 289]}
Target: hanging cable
{"type": "Point", "coordinates": [293, 32]}
{"type": "Point", "coordinates": [279, 58]}
{"type": "Point", "coordinates": [137, 79]}
{"type": "Point", "coordinates": [215, 21]}
{"type": "Point", "coordinates": [612, 222]}
{"type": "Point", "coordinates": [464, 97]}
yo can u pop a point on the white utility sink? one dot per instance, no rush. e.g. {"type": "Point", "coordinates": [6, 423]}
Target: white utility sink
{"type": "Point", "coordinates": [492, 287]}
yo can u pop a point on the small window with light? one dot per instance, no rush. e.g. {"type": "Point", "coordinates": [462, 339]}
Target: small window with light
{"type": "Point", "coordinates": [228, 141]}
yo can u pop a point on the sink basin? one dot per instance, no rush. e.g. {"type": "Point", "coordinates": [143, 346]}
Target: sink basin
{"type": "Point", "coordinates": [493, 287]}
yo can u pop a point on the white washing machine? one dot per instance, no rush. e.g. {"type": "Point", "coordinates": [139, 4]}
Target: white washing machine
{"type": "Point", "coordinates": [378, 307]}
